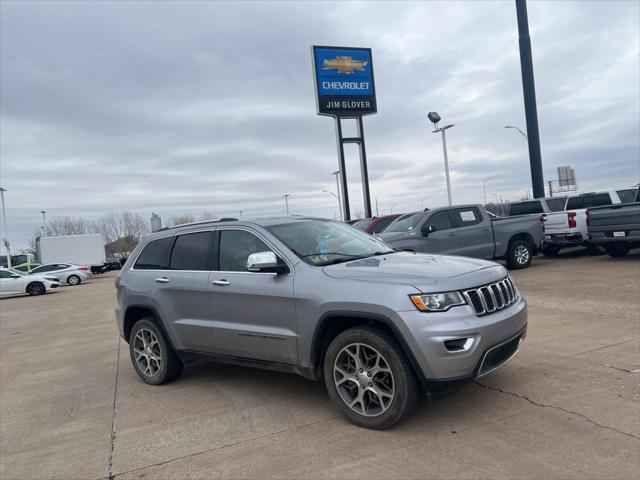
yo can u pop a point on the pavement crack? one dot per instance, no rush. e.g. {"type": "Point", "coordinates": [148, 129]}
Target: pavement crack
{"type": "Point", "coordinates": [113, 416]}
{"type": "Point", "coordinates": [111, 475]}
{"type": "Point", "coordinates": [554, 407]}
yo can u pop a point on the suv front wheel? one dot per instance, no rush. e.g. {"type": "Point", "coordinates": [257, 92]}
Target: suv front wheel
{"type": "Point", "coordinates": [153, 358]}
{"type": "Point", "coordinates": [369, 378]}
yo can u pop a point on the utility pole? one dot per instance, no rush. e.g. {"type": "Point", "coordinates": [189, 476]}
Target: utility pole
{"type": "Point", "coordinates": [377, 211]}
{"type": "Point", "coordinates": [4, 226]}
{"type": "Point", "coordinates": [44, 222]}
{"type": "Point", "coordinates": [337, 175]}
{"type": "Point", "coordinates": [529, 93]}
{"type": "Point", "coordinates": [286, 202]}
{"type": "Point", "coordinates": [484, 187]}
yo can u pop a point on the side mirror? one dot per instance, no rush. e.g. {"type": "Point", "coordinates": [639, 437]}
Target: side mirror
{"type": "Point", "coordinates": [429, 229]}
{"type": "Point", "coordinates": [266, 262]}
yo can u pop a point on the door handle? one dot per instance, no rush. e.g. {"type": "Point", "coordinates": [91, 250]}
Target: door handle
{"type": "Point", "coordinates": [453, 234]}
{"type": "Point", "coordinates": [162, 280]}
{"type": "Point", "coordinates": [485, 229]}
{"type": "Point", "coordinates": [221, 283]}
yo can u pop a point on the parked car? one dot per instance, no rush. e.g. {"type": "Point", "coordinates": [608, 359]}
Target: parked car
{"type": "Point", "coordinates": [568, 228]}
{"type": "Point", "coordinates": [65, 272]}
{"type": "Point", "coordinates": [26, 267]}
{"type": "Point", "coordinates": [109, 265]}
{"type": "Point", "coordinates": [537, 206]}
{"type": "Point", "coordinates": [376, 224]}
{"type": "Point", "coordinates": [374, 323]}
{"type": "Point", "coordinates": [15, 282]}
{"type": "Point", "coordinates": [470, 231]}
{"type": "Point", "coordinates": [616, 228]}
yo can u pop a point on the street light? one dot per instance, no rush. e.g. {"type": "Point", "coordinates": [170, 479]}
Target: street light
{"type": "Point", "coordinates": [484, 187]}
{"type": "Point", "coordinates": [521, 132]}
{"type": "Point", "coordinates": [337, 174]}
{"type": "Point", "coordinates": [44, 222]}
{"type": "Point", "coordinates": [422, 201]}
{"type": "Point", "coordinates": [435, 119]}
{"type": "Point", "coordinates": [286, 202]}
{"type": "Point", "coordinates": [4, 226]}
{"type": "Point", "coordinates": [337, 198]}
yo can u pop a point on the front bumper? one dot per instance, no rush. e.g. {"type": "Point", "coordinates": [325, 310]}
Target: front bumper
{"type": "Point", "coordinates": [563, 240]}
{"type": "Point", "coordinates": [482, 343]}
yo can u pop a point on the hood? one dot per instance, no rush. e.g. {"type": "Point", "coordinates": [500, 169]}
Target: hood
{"type": "Point", "coordinates": [426, 272]}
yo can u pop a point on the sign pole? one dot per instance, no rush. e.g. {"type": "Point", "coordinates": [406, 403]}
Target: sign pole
{"type": "Point", "coordinates": [364, 171]}
{"type": "Point", "coordinates": [343, 171]}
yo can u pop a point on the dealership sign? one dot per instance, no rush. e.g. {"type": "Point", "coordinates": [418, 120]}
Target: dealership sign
{"type": "Point", "coordinates": [344, 81]}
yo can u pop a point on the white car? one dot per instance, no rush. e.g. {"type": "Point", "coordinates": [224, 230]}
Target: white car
{"type": "Point", "coordinates": [15, 282]}
{"type": "Point", "coordinates": [65, 272]}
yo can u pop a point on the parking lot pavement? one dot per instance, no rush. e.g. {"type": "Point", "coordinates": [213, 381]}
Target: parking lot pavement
{"type": "Point", "coordinates": [567, 407]}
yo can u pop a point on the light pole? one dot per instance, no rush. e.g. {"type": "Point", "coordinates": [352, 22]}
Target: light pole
{"type": "Point", "coordinates": [484, 187]}
{"type": "Point", "coordinates": [422, 201]}
{"type": "Point", "coordinates": [337, 174]}
{"type": "Point", "coordinates": [498, 210]}
{"type": "Point", "coordinates": [44, 222]}
{"type": "Point", "coordinates": [286, 202]}
{"type": "Point", "coordinates": [393, 205]}
{"type": "Point", "coordinates": [435, 119]}
{"type": "Point", "coordinates": [520, 131]}
{"type": "Point", "coordinates": [4, 226]}
{"type": "Point", "coordinates": [337, 198]}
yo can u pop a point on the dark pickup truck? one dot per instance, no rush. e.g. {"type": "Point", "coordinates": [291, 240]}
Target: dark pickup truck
{"type": "Point", "coordinates": [615, 227]}
{"type": "Point", "coordinates": [470, 231]}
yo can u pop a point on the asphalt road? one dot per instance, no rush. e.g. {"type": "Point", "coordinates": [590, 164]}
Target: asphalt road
{"type": "Point", "coordinates": [568, 406]}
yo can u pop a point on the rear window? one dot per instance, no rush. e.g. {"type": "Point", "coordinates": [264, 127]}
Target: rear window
{"type": "Point", "coordinates": [525, 208]}
{"type": "Point", "coordinates": [382, 225]}
{"type": "Point", "coordinates": [556, 204]}
{"type": "Point", "coordinates": [191, 252]}
{"type": "Point", "coordinates": [155, 255]}
{"type": "Point", "coordinates": [362, 225]}
{"type": "Point", "coordinates": [587, 201]}
{"type": "Point", "coordinates": [628, 195]}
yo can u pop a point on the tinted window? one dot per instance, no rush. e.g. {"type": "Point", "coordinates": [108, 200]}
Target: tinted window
{"type": "Point", "coordinates": [44, 268]}
{"type": "Point", "coordinates": [406, 222]}
{"type": "Point", "coordinates": [440, 220]}
{"type": "Point", "coordinates": [467, 216]}
{"type": "Point", "coordinates": [382, 225]}
{"type": "Point", "coordinates": [586, 201]}
{"type": "Point", "coordinates": [556, 204]}
{"type": "Point", "coordinates": [5, 274]}
{"type": "Point", "coordinates": [627, 196]}
{"type": "Point", "coordinates": [525, 208]}
{"type": "Point", "coordinates": [235, 248]}
{"type": "Point", "coordinates": [362, 225]}
{"type": "Point", "coordinates": [191, 252]}
{"type": "Point", "coordinates": [155, 255]}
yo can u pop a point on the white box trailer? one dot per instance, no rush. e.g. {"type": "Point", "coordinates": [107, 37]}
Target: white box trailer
{"type": "Point", "coordinates": [78, 249]}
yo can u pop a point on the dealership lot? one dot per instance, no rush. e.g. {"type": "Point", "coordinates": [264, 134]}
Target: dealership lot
{"type": "Point", "coordinates": [568, 406]}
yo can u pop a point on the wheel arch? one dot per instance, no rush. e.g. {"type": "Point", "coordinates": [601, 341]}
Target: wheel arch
{"type": "Point", "coordinates": [34, 282]}
{"type": "Point", "coordinates": [331, 324]}
{"type": "Point", "coordinates": [525, 236]}
{"type": "Point", "coordinates": [133, 313]}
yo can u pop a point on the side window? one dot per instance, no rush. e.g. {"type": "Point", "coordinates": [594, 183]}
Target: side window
{"type": "Point", "coordinates": [440, 220]}
{"type": "Point", "coordinates": [467, 216]}
{"type": "Point", "coordinates": [235, 248]}
{"type": "Point", "coordinates": [44, 268]}
{"type": "Point", "coordinates": [556, 204]}
{"type": "Point", "coordinates": [628, 195]}
{"type": "Point", "coordinates": [155, 255]}
{"type": "Point", "coordinates": [381, 225]}
{"type": "Point", "coordinates": [191, 252]}
{"type": "Point", "coordinates": [5, 274]}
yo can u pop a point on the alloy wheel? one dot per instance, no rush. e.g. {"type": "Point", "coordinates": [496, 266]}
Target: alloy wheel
{"type": "Point", "coordinates": [522, 254]}
{"type": "Point", "coordinates": [148, 355]}
{"type": "Point", "coordinates": [364, 380]}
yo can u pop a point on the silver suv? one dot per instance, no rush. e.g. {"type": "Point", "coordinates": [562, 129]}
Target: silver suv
{"type": "Point", "coordinates": [321, 299]}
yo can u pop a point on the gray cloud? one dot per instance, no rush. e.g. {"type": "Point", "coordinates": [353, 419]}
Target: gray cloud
{"type": "Point", "coordinates": [185, 106]}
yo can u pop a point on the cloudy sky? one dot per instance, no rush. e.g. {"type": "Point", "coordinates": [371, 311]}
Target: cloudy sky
{"type": "Point", "coordinates": [179, 107]}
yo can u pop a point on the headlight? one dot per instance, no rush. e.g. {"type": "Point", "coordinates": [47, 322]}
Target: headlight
{"type": "Point", "coordinates": [437, 302]}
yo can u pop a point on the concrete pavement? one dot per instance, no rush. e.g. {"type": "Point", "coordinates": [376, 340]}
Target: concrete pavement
{"type": "Point", "coordinates": [568, 406]}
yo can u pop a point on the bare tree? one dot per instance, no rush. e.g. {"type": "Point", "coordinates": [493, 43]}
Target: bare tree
{"type": "Point", "coordinates": [71, 226]}
{"type": "Point", "coordinates": [207, 216]}
{"type": "Point", "coordinates": [181, 219]}
{"type": "Point", "coordinates": [125, 224]}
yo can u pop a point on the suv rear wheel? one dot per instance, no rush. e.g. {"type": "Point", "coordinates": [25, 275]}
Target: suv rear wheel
{"type": "Point", "coordinates": [153, 358]}
{"type": "Point", "coordinates": [369, 378]}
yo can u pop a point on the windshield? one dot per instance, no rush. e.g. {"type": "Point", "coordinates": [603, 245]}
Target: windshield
{"type": "Point", "coordinates": [323, 242]}
{"type": "Point", "coordinates": [362, 225]}
{"type": "Point", "coordinates": [17, 272]}
{"type": "Point", "coordinates": [405, 223]}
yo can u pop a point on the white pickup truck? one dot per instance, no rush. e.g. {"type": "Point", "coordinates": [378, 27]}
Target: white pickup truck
{"type": "Point", "coordinates": [568, 228]}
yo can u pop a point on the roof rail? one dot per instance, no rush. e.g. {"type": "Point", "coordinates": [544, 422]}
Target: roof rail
{"type": "Point", "coordinates": [226, 219]}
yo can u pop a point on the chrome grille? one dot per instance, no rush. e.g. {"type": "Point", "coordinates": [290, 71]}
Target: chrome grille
{"type": "Point", "coordinates": [493, 297]}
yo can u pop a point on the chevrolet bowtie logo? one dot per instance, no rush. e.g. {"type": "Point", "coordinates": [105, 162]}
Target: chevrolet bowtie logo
{"type": "Point", "coordinates": [344, 65]}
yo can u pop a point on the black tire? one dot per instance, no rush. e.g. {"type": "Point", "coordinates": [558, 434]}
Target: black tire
{"type": "Point", "coordinates": [550, 250]}
{"type": "Point", "coordinates": [595, 249]}
{"type": "Point", "coordinates": [617, 249]}
{"type": "Point", "coordinates": [519, 254]}
{"type": "Point", "coordinates": [170, 365]}
{"type": "Point", "coordinates": [73, 280]}
{"type": "Point", "coordinates": [36, 288]}
{"type": "Point", "coordinates": [406, 389]}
